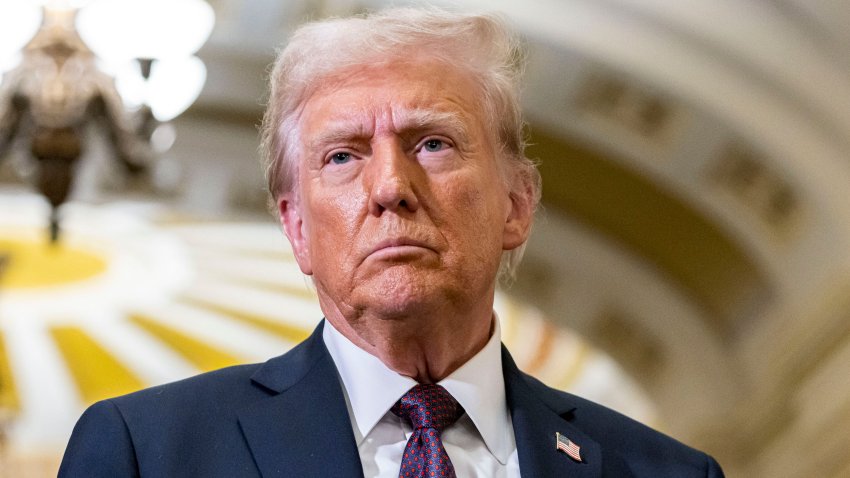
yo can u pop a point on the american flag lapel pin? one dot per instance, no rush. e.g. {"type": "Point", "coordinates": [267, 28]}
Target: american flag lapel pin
{"type": "Point", "coordinates": [568, 446]}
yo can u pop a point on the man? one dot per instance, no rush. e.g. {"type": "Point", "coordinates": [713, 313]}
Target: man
{"type": "Point", "coordinates": [395, 159]}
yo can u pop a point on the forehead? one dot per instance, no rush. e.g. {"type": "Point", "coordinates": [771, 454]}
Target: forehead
{"type": "Point", "coordinates": [393, 95]}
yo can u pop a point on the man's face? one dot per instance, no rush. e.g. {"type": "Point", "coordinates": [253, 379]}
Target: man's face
{"type": "Point", "coordinates": [401, 199]}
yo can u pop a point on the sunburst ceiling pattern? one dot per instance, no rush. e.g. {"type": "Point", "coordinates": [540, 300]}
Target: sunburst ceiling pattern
{"type": "Point", "coordinates": [135, 297]}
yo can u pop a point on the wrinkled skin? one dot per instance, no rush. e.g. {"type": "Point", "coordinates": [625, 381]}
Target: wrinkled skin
{"type": "Point", "coordinates": [401, 213]}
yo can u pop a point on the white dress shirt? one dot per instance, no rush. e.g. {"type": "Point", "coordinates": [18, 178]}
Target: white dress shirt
{"type": "Point", "coordinates": [480, 444]}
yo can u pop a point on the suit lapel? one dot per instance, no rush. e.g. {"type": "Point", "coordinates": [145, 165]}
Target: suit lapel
{"type": "Point", "coordinates": [303, 427]}
{"type": "Point", "coordinates": [536, 422]}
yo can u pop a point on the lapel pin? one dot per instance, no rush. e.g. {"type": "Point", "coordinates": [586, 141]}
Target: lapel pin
{"type": "Point", "coordinates": [568, 446]}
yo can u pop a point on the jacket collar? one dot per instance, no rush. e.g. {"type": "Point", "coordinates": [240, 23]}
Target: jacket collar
{"type": "Point", "coordinates": [303, 428]}
{"type": "Point", "coordinates": [538, 413]}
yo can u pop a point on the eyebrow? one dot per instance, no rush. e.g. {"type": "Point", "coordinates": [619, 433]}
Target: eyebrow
{"type": "Point", "coordinates": [341, 130]}
{"type": "Point", "coordinates": [417, 120]}
{"type": "Point", "coordinates": [406, 122]}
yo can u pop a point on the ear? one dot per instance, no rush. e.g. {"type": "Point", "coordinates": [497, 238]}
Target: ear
{"type": "Point", "coordinates": [293, 227]}
{"type": "Point", "coordinates": [519, 218]}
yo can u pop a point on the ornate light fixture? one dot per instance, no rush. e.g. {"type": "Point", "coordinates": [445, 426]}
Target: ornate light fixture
{"type": "Point", "coordinates": [127, 66]}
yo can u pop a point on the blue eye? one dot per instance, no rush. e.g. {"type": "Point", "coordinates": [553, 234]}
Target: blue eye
{"type": "Point", "coordinates": [433, 145]}
{"type": "Point", "coordinates": [340, 158]}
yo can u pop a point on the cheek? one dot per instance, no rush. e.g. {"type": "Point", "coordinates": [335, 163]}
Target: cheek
{"type": "Point", "coordinates": [477, 215]}
{"type": "Point", "coordinates": [334, 226]}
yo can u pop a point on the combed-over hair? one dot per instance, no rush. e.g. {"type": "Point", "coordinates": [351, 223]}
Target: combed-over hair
{"type": "Point", "coordinates": [480, 45]}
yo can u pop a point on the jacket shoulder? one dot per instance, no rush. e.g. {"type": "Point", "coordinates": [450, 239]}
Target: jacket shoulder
{"type": "Point", "coordinates": [227, 385]}
{"type": "Point", "coordinates": [640, 448]}
{"type": "Point", "coordinates": [227, 388]}
{"type": "Point", "coordinates": [166, 430]}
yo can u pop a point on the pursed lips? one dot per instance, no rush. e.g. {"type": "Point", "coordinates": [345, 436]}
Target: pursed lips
{"type": "Point", "coordinates": [400, 243]}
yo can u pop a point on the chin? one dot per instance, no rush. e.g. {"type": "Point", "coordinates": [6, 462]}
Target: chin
{"type": "Point", "coordinates": [402, 294]}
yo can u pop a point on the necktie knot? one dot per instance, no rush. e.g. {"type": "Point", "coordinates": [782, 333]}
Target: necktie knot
{"type": "Point", "coordinates": [428, 406]}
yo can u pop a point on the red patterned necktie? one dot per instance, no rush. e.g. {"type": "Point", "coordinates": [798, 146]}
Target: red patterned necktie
{"type": "Point", "coordinates": [429, 408]}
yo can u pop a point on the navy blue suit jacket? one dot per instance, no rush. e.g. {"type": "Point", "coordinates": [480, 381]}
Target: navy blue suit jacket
{"type": "Point", "coordinates": [287, 417]}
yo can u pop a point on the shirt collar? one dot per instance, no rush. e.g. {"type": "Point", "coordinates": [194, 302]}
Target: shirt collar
{"type": "Point", "coordinates": [478, 385]}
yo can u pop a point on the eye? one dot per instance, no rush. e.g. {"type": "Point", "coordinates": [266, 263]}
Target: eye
{"type": "Point", "coordinates": [340, 158]}
{"type": "Point", "coordinates": [433, 145]}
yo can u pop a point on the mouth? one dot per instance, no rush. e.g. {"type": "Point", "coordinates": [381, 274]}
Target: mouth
{"type": "Point", "coordinates": [399, 248]}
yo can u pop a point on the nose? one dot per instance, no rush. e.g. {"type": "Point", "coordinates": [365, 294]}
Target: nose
{"type": "Point", "coordinates": [392, 177]}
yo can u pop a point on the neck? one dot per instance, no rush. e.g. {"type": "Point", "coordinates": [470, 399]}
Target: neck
{"type": "Point", "coordinates": [426, 346]}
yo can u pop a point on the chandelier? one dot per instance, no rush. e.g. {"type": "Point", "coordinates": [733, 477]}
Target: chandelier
{"type": "Point", "coordinates": [124, 67]}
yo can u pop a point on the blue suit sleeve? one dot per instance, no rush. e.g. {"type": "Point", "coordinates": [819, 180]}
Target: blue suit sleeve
{"type": "Point", "coordinates": [100, 445]}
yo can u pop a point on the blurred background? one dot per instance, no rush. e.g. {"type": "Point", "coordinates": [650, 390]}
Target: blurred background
{"type": "Point", "coordinates": [690, 264]}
